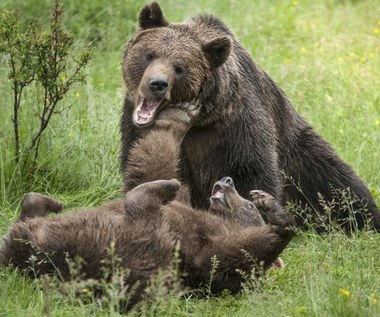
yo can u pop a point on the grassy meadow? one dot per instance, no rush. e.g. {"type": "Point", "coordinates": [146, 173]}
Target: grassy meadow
{"type": "Point", "coordinates": [324, 54]}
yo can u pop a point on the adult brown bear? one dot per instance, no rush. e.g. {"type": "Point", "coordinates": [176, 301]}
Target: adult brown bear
{"type": "Point", "coordinates": [247, 128]}
{"type": "Point", "coordinates": [144, 229]}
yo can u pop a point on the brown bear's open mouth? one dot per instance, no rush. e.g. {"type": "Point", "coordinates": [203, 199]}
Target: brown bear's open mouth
{"type": "Point", "coordinates": [218, 194]}
{"type": "Point", "coordinates": [146, 111]}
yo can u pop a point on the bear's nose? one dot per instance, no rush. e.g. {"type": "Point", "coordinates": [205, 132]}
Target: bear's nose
{"type": "Point", "coordinates": [158, 85]}
{"type": "Point", "coordinates": [228, 180]}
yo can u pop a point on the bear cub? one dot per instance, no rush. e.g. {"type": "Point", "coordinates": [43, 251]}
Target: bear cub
{"type": "Point", "coordinates": [145, 228]}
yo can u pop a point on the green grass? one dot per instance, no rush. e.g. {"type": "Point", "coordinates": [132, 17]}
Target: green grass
{"type": "Point", "coordinates": [326, 57]}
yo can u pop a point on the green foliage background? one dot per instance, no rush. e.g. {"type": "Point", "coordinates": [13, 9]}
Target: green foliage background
{"type": "Point", "coordinates": [326, 57]}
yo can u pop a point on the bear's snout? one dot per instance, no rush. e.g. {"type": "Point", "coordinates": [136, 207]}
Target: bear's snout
{"type": "Point", "coordinates": [227, 181]}
{"type": "Point", "coordinates": [156, 82]}
{"type": "Point", "coordinates": [159, 85]}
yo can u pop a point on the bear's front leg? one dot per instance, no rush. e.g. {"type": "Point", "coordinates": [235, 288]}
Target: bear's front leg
{"type": "Point", "coordinates": [271, 210]}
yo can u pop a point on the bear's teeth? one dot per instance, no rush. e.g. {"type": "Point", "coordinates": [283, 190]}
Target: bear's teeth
{"type": "Point", "coordinates": [149, 106]}
{"type": "Point", "coordinates": [145, 111]}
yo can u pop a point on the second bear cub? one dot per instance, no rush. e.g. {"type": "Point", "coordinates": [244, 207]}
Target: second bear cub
{"type": "Point", "coordinates": [154, 217]}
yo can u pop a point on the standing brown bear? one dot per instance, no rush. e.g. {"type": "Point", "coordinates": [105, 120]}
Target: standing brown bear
{"type": "Point", "coordinates": [145, 228]}
{"type": "Point", "coordinates": [247, 127]}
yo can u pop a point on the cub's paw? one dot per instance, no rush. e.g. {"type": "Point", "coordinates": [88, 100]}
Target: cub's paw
{"type": "Point", "coordinates": [271, 210]}
{"type": "Point", "coordinates": [278, 264]}
{"type": "Point", "coordinates": [191, 108]}
{"type": "Point", "coordinates": [263, 200]}
{"type": "Point", "coordinates": [178, 116]}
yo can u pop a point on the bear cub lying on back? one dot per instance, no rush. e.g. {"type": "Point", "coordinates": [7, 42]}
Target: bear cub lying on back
{"type": "Point", "coordinates": [153, 218]}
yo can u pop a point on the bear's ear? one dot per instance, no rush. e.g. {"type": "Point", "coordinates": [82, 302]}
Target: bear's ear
{"type": "Point", "coordinates": [151, 17]}
{"type": "Point", "coordinates": [217, 51]}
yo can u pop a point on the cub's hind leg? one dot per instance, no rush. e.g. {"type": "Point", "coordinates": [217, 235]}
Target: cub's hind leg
{"type": "Point", "coordinates": [22, 240]}
{"type": "Point", "coordinates": [38, 205]}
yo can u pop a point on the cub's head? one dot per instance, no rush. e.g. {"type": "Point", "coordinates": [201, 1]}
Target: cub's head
{"type": "Point", "coordinates": [168, 63]}
{"type": "Point", "coordinates": [226, 202]}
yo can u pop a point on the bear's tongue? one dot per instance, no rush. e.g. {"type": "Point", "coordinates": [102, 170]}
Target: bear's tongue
{"type": "Point", "coordinates": [218, 195]}
{"type": "Point", "coordinates": [145, 111]}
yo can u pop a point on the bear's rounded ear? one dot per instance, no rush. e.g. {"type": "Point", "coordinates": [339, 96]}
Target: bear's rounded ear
{"type": "Point", "coordinates": [217, 51]}
{"type": "Point", "coordinates": [151, 17]}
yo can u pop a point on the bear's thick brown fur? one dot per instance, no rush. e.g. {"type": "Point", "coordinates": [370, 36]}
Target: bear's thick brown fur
{"type": "Point", "coordinates": [247, 127]}
{"type": "Point", "coordinates": [155, 216]}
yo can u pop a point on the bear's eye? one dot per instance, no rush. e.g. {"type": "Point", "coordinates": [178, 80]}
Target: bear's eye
{"type": "Point", "coordinates": [149, 57]}
{"type": "Point", "coordinates": [250, 206]}
{"type": "Point", "coordinates": [178, 70]}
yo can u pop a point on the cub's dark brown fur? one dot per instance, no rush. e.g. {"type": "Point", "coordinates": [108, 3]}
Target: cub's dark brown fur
{"type": "Point", "coordinates": [247, 127]}
{"type": "Point", "coordinates": [144, 228]}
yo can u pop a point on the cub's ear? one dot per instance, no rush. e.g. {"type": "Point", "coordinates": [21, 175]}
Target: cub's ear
{"type": "Point", "coordinates": [217, 51]}
{"type": "Point", "coordinates": [151, 17]}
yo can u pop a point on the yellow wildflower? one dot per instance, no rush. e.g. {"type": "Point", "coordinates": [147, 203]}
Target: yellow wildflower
{"type": "Point", "coordinates": [373, 299]}
{"type": "Point", "coordinates": [377, 122]}
{"type": "Point", "coordinates": [370, 54]}
{"type": "Point", "coordinates": [84, 290]}
{"type": "Point", "coordinates": [363, 59]}
{"type": "Point", "coordinates": [345, 292]}
{"type": "Point", "coordinates": [77, 94]}
{"type": "Point", "coordinates": [287, 61]}
{"type": "Point", "coordinates": [376, 31]}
